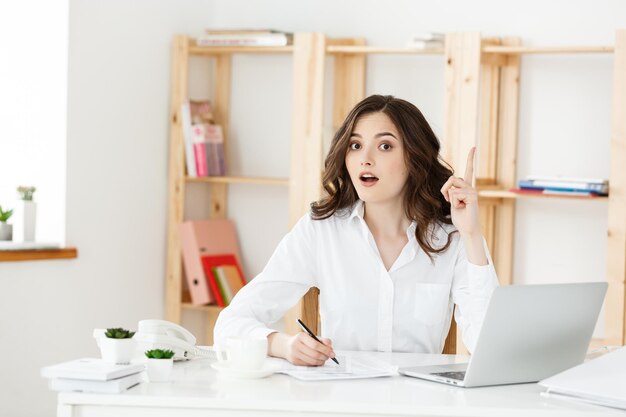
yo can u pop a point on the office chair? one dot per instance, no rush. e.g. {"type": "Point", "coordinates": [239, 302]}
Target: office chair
{"type": "Point", "coordinates": [310, 315]}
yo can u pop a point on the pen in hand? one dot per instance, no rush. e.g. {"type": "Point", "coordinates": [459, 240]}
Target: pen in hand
{"type": "Point", "coordinates": [310, 333]}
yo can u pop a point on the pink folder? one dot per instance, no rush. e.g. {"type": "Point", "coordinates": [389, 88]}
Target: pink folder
{"type": "Point", "coordinates": [201, 238]}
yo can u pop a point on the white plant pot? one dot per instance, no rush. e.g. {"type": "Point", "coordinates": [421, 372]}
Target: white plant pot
{"type": "Point", "coordinates": [25, 221]}
{"type": "Point", "coordinates": [6, 231]}
{"type": "Point", "coordinates": [117, 350]}
{"type": "Point", "coordinates": [159, 370]}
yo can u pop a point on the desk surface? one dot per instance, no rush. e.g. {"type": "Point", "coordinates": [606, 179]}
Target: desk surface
{"type": "Point", "coordinates": [196, 388]}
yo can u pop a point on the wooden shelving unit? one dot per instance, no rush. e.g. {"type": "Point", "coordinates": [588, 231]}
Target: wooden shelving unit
{"type": "Point", "coordinates": [240, 180]}
{"type": "Point", "coordinates": [306, 147]}
{"type": "Point", "coordinates": [498, 63]}
{"type": "Point", "coordinates": [481, 108]}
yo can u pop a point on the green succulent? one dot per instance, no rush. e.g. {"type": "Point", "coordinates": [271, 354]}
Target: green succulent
{"type": "Point", "coordinates": [159, 354]}
{"type": "Point", "coordinates": [26, 192]}
{"type": "Point", "coordinates": [119, 333]}
{"type": "Point", "coordinates": [5, 215]}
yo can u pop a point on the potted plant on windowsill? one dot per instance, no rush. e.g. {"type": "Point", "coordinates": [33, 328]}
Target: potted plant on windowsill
{"type": "Point", "coordinates": [117, 346]}
{"type": "Point", "coordinates": [160, 364]}
{"type": "Point", "coordinates": [6, 230]}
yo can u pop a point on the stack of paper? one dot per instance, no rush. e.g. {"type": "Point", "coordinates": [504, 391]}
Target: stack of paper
{"type": "Point", "coordinates": [599, 381]}
{"type": "Point", "coordinates": [92, 375]}
{"type": "Point", "coordinates": [348, 368]}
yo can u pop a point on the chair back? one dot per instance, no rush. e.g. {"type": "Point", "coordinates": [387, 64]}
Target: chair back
{"type": "Point", "coordinates": [310, 315]}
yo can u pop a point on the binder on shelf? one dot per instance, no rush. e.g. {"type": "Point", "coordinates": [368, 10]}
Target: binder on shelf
{"type": "Point", "coordinates": [210, 263]}
{"type": "Point", "coordinates": [201, 238]}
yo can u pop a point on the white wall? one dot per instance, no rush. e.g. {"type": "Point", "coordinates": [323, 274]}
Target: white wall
{"type": "Point", "coordinates": [117, 151]}
{"type": "Point", "coordinates": [33, 91]}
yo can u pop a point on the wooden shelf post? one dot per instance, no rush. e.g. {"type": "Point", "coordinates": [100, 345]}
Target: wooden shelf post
{"type": "Point", "coordinates": [615, 313]}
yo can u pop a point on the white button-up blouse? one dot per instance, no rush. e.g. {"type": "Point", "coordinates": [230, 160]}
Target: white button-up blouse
{"type": "Point", "coordinates": [364, 306]}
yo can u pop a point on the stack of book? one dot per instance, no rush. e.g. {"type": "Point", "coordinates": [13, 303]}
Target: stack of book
{"type": "Point", "coordinates": [567, 186]}
{"type": "Point", "coordinates": [92, 375]}
{"type": "Point", "coordinates": [204, 140]}
{"type": "Point", "coordinates": [426, 40]}
{"type": "Point", "coordinates": [245, 37]}
{"type": "Point", "coordinates": [211, 261]}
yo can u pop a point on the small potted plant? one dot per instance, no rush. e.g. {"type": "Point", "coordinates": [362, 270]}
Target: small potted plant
{"type": "Point", "coordinates": [117, 346]}
{"type": "Point", "coordinates": [160, 364]}
{"type": "Point", "coordinates": [27, 218]}
{"type": "Point", "coordinates": [6, 230]}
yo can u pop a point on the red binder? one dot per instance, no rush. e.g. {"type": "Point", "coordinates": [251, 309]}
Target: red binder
{"type": "Point", "coordinates": [210, 262]}
{"type": "Point", "coordinates": [201, 238]}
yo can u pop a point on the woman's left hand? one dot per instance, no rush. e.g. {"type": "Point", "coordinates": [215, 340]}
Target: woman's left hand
{"type": "Point", "coordinates": [463, 199]}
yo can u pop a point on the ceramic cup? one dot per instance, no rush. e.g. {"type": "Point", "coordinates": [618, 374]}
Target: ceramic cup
{"type": "Point", "coordinates": [244, 353]}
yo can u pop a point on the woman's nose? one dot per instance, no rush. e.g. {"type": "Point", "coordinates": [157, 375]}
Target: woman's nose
{"type": "Point", "coordinates": [366, 158]}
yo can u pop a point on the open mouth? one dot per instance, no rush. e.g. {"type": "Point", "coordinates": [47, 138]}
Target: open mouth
{"type": "Point", "coordinates": [368, 178]}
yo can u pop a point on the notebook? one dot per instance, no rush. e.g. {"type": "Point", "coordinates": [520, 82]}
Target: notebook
{"type": "Point", "coordinates": [598, 381]}
{"type": "Point", "coordinates": [94, 369]}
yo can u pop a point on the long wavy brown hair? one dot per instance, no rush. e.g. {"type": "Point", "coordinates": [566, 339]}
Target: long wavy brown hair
{"type": "Point", "coordinates": [427, 171]}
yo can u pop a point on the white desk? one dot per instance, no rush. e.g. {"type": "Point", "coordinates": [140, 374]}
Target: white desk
{"type": "Point", "coordinates": [197, 390]}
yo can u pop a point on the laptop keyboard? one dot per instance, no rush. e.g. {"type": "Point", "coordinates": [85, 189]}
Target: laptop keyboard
{"type": "Point", "coordinates": [452, 375]}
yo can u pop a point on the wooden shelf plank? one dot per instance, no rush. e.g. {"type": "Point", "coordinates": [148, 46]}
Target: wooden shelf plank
{"type": "Point", "coordinates": [240, 180]}
{"type": "Point", "coordinates": [218, 50]}
{"type": "Point", "coordinates": [510, 194]}
{"type": "Point", "coordinates": [208, 308]}
{"type": "Point", "coordinates": [36, 255]}
{"type": "Point", "coordinates": [512, 50]}
{"type": "Point", "coordinates": [347, 49]}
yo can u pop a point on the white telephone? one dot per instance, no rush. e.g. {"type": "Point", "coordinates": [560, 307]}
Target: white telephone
{"type": "Point", "coordinates": [161, 334]}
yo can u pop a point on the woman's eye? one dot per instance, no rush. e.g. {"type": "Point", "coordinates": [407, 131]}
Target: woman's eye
{"type": "Point", "coordinates": [385, 147]}
{"type": "Point", "coordinates": [354, 146]}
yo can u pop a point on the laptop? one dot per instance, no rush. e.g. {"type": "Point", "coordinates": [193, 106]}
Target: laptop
{"type": "Point", "coordinates": [529, 333]}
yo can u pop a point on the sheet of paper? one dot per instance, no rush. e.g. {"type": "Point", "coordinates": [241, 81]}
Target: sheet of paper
{"type": "Point", "coordinates": [349, 368]}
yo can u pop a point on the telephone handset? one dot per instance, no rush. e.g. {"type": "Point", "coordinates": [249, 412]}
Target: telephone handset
{"type": "Point", "coordinates": [161, 334]}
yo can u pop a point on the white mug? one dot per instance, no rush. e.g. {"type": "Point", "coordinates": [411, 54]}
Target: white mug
{"type": "Point", "coordinates": [243, 353]}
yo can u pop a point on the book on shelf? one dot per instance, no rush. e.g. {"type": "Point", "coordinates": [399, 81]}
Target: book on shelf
{"type": "Point", "coordinates": [229, 281]}
{"type": "Point", "coordinates": [266, 38]}
{"type": "Point", "coordinates": [566, 185]}
{"type": "Point", "coordinates": [193, 112]}
{"type": "Point", "coordinates": [200, 238]}
{"type": "Point", "coordinates": [428, 36]}
{"type": "Point", "coordinates": [541, 191]}
{"type": "Point", "coordinates": [92, 369]}
{"type": "Point", "coordinates": [217, 286]}
{"type": "Point", "coordinates": [217, 31]}
{"type": "Point", "coordinates": [111, 386]}
{"type": "Point", "coordinates": [426, 40]}
{"type": "Point", "coordinates": [210, 138]}
{"type": "Point", "coordinates": [200, 157]}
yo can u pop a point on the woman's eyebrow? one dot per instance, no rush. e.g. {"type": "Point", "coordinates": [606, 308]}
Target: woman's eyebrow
{"type": "Point", "coordinates": [378, 135]}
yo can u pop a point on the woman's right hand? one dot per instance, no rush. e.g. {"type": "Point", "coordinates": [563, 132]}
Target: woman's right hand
{"type": "Point", "coordinates": [300, 349]}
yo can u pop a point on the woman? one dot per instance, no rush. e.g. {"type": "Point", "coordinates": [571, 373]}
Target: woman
{"type": "Point", "coordinates": [392, 247]}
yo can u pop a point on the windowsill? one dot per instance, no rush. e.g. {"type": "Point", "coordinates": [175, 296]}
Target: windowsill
{"type": "Point", "coordinates": [37, 254]}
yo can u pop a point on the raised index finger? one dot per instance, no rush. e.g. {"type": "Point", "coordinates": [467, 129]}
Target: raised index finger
{"type": "Point", "coordinates": [469, 169]}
